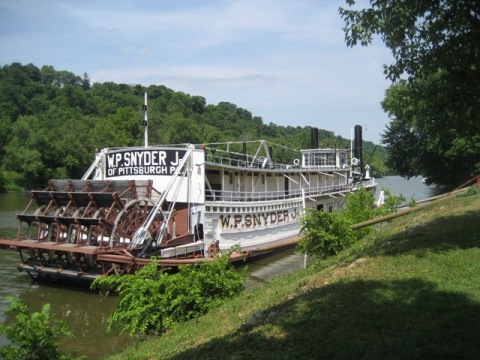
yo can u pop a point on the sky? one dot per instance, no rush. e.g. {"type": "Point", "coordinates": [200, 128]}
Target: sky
{"type": "Point", "coordinates": [285, 61]}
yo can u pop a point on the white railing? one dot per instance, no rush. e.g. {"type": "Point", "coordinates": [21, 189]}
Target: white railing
{"type": "Point", "coordinates": [235, 196]}
{"type": "Point", "coordinates": [259, 164]}
{"type": "Point", "coordinates": [258, 196]}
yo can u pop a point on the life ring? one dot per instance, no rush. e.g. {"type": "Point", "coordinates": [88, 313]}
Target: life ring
{"type": "Point", "coordinates": [296, 162]}
{"type": "Point", "coordinates": [354, 161]}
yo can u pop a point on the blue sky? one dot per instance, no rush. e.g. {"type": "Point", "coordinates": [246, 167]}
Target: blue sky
{"type": "Point", "coordinates": [283, 60]}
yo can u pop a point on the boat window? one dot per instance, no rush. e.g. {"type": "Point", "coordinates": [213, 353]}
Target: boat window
{"type": "Point", "coordinates": [213, 172]}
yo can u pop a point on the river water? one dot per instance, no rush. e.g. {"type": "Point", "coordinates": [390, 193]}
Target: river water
{"type": "Point", "coordinates": [86, 313]}
{"type": "Point", "coordinates": [413, 188]}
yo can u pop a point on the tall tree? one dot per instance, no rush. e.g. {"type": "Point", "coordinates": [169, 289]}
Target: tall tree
{"type": "Point", "coordinates": [434, 102]}
{"type": "Point", "coordinates": [120, 129]}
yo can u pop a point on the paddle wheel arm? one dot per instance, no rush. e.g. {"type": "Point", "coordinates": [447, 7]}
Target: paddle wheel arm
{"type": "Point", "coordinates": [143, 235]}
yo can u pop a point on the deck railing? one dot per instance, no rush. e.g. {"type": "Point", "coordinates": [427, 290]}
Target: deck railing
{"type": "Point", "coordinates": [254, 196]}
{"type": "Point", "coordinates": [262, 164]}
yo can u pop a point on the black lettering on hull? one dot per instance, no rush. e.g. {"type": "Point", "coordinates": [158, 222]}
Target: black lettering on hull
{"type": "Point", "coordinates": [242, 221]}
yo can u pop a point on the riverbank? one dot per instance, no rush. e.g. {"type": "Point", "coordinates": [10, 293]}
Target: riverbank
{"type": "Point", "coordinates": [409, 290]}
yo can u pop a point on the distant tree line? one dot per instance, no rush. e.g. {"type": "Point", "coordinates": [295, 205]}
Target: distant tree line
{"type": "Point", "coordinates": [52, 121]}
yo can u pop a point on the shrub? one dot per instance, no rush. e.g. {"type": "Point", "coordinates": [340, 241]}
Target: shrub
{"type": "Point", "coordinates": [325, 234]}
{"type": "Point", "coordinates": [359, 208]}
{"type": "Point", "coordinates": [34, 337]}
{"type": "Point", "coordinates": [152, 300]}
{"type": "Point", "coordinates": [391, 203]}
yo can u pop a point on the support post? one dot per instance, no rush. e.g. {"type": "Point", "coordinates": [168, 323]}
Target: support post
{"type": "Point", "coordinates": [145, 121]}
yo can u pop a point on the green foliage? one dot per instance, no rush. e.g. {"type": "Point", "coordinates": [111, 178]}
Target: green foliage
{"type": "Point", "coordinates": [432, 129]}
{"type": "Point", "coordinates": [326, 234]}
{"type": "Point", "coordinates": [434, 102]}
{"type": "Point", "coordinates": [119, 129]}
{"type": "Point", "coordinates": [34, 337]}
{"type": "Point", "coordinates": [391, 203]}
{"type": "Point", "coordinates": [154, 299]}
{"type": "Point", "coordinates": [359, 206]}
{"type": "Point", "coordinates": [472, 190]}
{"type": "Point", "coordinates": [423, 35]}
{"type": "Point", "coordinates": [12, 180]}
{"type": "Point", "coordinates": [378, 168]}
{"type": "Point", "coordinates": [412, 203]}
{"type": "Point", "coordinates": [2, 182]}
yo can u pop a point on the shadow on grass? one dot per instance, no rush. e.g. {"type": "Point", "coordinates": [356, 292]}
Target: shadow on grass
{"type": "Point", "coordinates": [439, 235]}
{"type": "Point", "coordinates": [408, 319]}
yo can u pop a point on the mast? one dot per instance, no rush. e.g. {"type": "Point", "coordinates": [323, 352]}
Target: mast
{"type": "Point", "coordinates": [145, 121]}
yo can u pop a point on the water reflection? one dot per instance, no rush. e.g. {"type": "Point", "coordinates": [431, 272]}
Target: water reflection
{"type": "Point", "coordinates": [10, 204]}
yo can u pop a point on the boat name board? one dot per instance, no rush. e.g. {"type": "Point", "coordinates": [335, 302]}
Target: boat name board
{"type": "Point", "coordinates": [143, 162]}
{"type": "Point", "coordinates": [260, 219]}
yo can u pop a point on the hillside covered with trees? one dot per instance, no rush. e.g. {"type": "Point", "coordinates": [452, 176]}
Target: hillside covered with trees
{"type": "Point", "coordinates": [52, 121]}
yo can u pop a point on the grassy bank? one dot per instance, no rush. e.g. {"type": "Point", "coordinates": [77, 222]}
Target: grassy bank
{"type": "Point", "coordinates": [410, 290]}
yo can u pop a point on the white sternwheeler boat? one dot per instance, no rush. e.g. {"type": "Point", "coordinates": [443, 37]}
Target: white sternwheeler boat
{"type": "Point", "coordinates": [181, 204]}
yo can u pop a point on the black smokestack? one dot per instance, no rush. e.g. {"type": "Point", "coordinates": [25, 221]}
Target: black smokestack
{"type": "Point", "coordinates": [357, 149]}
{"type": "Point", "coordinates": [314, 138]}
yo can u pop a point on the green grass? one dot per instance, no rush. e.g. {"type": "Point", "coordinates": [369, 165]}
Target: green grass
{"type": "Point", "coordinates": [410, 290]}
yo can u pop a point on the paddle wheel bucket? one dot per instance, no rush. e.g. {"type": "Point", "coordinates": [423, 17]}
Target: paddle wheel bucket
{"type": "Point", "coordinates": [66, 226]}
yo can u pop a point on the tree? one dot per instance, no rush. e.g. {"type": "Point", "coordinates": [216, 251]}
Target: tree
{"type": "Point", "coordinates": [434, 102]}
{"type": "Point", "coordinates": [120, 129]}
{"type": "Point", "coordinates": [34, 337]}
{"type": "Point", "coordinates": [439, 135]}
{"type": "Point", "coordinates": [25, 153]}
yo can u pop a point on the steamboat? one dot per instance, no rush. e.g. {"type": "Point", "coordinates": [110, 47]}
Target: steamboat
{"type": "Point", "coordinates": [181, 204]}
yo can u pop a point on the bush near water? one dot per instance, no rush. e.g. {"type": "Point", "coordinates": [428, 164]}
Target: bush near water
{"type": "Point", "coordinates": [153, 300]}
{"type": "Point", "coordinates": [34, 336]}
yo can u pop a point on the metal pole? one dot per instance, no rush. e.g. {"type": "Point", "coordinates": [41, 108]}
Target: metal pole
{"type": "Point", "coordinates": [145, 121]}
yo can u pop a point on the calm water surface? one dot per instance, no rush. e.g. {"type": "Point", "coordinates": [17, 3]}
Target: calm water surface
{"type": "Point", "coordinates": [411, 189]}
{"type": "Point", "coordinates": [86, 313]}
